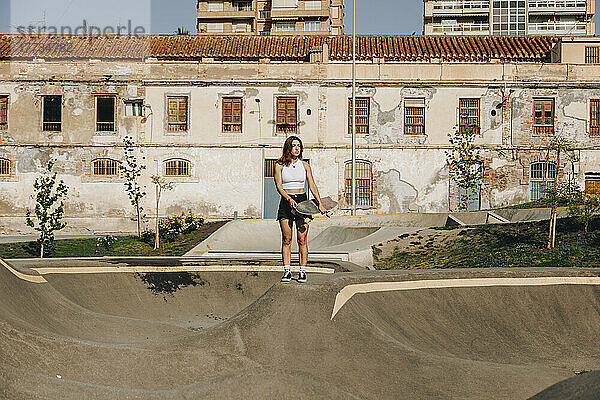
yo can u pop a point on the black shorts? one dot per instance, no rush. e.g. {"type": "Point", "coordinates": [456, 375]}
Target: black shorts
{"type": "Point", "coordinates": [285, 210]}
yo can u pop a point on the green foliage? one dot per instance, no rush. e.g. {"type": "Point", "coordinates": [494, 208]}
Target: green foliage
{"type": "Point", "coordinates": [504, 245]}
{"type": "Point", "coordinates": [464, 161]}
{"type": "Point", "coordinates": [132, 169]}
{"type": "Point", "coordinates": [170, 228]}
{"type": "Point", "coordinates": [182, 31]}
{"type": "Point", "coordinates": [160, 184]}
{"type": "Point", "coordinates": [121, 246]}
{"type": "Point", "coordinates": [49, 207]}
{"type": "Point", "coordinates": [584, 206]}
{"type": "Point", "coordinates": [132, 247]}
{"type": "Point", "coordinates": [106, 242]}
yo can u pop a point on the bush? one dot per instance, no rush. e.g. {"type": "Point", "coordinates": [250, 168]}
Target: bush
{"type": "Point", "coordinates": [106, 242]}
{"type": "Point", "coordinates": [171, 227]}
{"type": "Point", "coordinates": [148, 237]}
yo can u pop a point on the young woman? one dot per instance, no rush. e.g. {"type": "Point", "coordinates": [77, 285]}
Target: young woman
{"type": "Point", "coordinates": [291, 174]}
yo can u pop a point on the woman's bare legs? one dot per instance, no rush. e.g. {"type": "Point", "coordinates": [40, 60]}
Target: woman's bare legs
{"type": "Point", "coordinates": [302, 234]}
{"type": "Point", "coordinates": [286, 241]}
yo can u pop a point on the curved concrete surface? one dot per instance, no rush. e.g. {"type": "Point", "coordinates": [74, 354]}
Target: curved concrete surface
{"type": "Point", "coordinates": [585, 386]}
{"type": "Point", "coordinates": [237, 335]}
{"type": "Point", "coordinates": [344, 237]}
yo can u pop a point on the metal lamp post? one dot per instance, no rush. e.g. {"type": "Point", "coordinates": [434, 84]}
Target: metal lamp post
{"type": "Point", "coordinates": [353, 184]}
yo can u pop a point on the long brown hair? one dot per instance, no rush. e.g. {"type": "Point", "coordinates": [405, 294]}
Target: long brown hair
{"type": "Point", "coordinates": [286, 157]}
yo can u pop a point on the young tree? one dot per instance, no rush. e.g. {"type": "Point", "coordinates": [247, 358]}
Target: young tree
{"type": "Point", "coordinates": [464, 161]}
{"type": "Point", "coordinates": [559, 144]}
{"type": "Point", "coordinates": [160, 185]}
{"type": "Point", "coordinates": [49, 207]}
{"type": "Point", "coordinates": [584, 206]}
{"type": "Point", "coordinates": [132, 170]}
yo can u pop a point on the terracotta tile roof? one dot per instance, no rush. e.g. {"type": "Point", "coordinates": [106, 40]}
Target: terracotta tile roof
{"type": "Point", "coordinates": [292, 48]}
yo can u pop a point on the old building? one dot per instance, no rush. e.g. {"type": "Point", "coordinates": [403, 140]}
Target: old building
{"type": "Point", "coordinates": [504, 17]}
{"type": "Point", "coordinates": [210, 113]}
{"type": "Point", "coordinates": [271, 17]}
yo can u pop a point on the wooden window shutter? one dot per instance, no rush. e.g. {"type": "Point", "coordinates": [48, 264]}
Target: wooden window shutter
{"type": "Point", "coordinates": [362, 115]}
{"type": "Point", "coordinates": [286, 118]}
{"type": "Point", "coordinates": [3, 112]}
{"type": "Point", "coordinates": [595, 117]}
{"type": "Point", "coordinates": [177, 108]}
{"type": "Point", "coordinates": [232, 114]}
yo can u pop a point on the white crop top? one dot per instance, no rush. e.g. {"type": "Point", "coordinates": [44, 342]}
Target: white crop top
{"type": "Point", "coordinates": [294, 175]}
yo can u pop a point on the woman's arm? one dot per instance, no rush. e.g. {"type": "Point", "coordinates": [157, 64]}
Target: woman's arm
{"type": "Point", "coordinates": [278, 182]}
{"type": "Point", "coordinates": [313, 186]}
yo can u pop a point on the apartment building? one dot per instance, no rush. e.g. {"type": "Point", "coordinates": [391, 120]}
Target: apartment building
{"type": "Point", "coordinates": [210, 115]}
{"type": "Point", "coordinates": [509, 17]}
{"type": "Point", "coordinates": [271, 17]}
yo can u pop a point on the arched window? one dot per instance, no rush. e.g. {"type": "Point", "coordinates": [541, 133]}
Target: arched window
{"type": "Point", "coordinates": [364, 183]}
{"type": "Point", "coordinates": [177, 167]}
{"type": "Point", "coordinates": [105, 167]}
{"type": "Point", "coordinates": [4, 166]}
{"type": "Point", "coordinates": [540, 179]}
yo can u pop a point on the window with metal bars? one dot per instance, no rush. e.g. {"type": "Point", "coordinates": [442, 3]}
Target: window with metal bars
{"type": "Point", "coordinates": [286, 117]}
{"type": "Point", "coordinates": [5, 166]}
{"type": "Point", "coordinates": [592, 54]}
{"type": "Point", "coordinates": [362, 115]}
{"type": "Point", "coordinates": [468, 115]}
{"type": "Point", "coordinates": [177, 167]}
{"type": "Point", "coordinates": [52, 114]}
{"type": "Point", "coordinates": [541, 179]}
{"type": "Point", "coordinates": [105, 113]}
{"type": "Point", "coordinates": [414, 117]}
{"type": "Point", "coordinates": [595, 117]}
{"type": "Point", "coordinates": [543, 117]}
{"type": "Point", "coordinates": [364, 183]}
{"type": "Point", "coordinates": [232, 114]}
{"type": "Point", "coordinates": [270, 167]}
{"type": "Point", "coordinates": [242, 6]}
{"type": "Point", "coordinates": [105, 167]}
{"type": "Point", "coordinates": [177, 113]}
{"type": "Point", "coordinates": [3, 112]}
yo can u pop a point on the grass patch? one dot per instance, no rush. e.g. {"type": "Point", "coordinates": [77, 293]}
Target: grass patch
{"type": "Point", "coordinates": [510, 245]}
{"type": "Point", "coordinates": [123, 246]}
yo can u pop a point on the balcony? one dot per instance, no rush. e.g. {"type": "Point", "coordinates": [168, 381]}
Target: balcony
{"type": "Point", "coordinates": [464, 29]}
{"type": "Point", "coordinates": [296, 13]}
{"type": "Point", "coordinates": [467, 7]}
{"type": "Point", "coordinates": [557, 28]}
{"type": "Point", "coordinates": [265, 14]}
{"type": "Point", "coordinates": [557, 7]}
{"type": "Point", "coordinates": [239, 10]}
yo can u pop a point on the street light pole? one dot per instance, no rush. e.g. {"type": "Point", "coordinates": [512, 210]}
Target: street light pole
{"type": "Point", "coordinates": [353, 203]}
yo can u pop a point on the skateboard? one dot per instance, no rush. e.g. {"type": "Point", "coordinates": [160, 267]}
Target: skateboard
{"type": "Point", "coordinates": [308, 208]}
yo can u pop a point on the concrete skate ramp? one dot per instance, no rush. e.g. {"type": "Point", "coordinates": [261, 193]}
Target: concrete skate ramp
{"type": "Point", "coordinates": [265, 236]}
{"type": "Point", "coordinates": [585, 386]}
{"type": "Point", "coordinates": [336, 235]}
{"type": "Point", "coordinates": [110, 336]}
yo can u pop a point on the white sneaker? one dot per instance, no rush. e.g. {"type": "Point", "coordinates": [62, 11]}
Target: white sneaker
{"type": "Point", "coordinates": [287, 276]}
{"type": "Point", "coordinates": [302, 277]}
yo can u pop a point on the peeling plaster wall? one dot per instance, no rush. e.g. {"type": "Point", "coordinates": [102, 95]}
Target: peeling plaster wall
{"type": "Point", "coordinates": [409, 171]}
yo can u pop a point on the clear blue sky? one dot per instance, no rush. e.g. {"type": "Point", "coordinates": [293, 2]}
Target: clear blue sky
{"type": "Point", "coordinates": [164, 16]}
